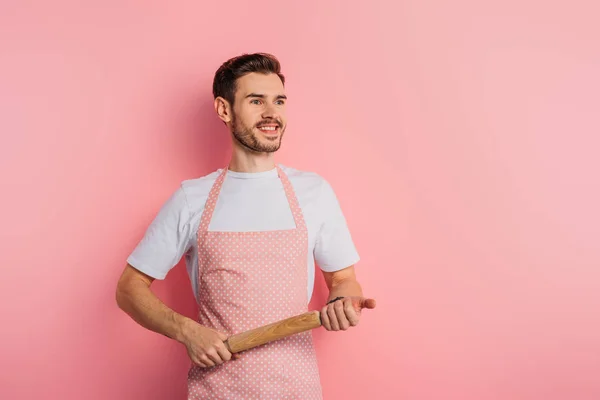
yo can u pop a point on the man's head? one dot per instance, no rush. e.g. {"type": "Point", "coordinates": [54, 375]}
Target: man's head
{"type": "Point", "coordinates": [250, 98]}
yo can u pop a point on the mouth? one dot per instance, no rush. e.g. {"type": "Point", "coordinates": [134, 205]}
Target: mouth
{"type": "Point", "coordinates": [269, 129]}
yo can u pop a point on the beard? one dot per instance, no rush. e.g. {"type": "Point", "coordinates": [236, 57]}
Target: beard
{"type": "Point", "coordinates": [249, 140]}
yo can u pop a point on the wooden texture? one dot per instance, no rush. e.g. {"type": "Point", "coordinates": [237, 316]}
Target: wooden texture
{"type": "Point", "coordinates": [275, 331]}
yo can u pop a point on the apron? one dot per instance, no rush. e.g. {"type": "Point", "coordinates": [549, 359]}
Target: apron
{"type": "Point", "coordinates": [246, 280]}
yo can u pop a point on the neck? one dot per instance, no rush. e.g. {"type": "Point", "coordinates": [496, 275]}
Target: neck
{"type": "Point", "coordinates": [244, 160]}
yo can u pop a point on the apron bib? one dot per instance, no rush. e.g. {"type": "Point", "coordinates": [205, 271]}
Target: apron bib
{"type": "Point", "coordinates": [246, 280]}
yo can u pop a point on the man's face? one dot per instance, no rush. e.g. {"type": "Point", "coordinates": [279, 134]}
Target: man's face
{"type": "Point", "coordinates": [258, 119]}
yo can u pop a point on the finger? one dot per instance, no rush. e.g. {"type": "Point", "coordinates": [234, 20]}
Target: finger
{"type": "Point", "coordinates": [332, 318]}
{"type": "Point", "coordinates": [367, 303]}
{"type": "Point", "coordinates": [351, 313]}
{"type": "Point", "coordinates": [206, 361]}
{"type": "Point", "coordinates": [223, 352]}
{"type": "Point", "coordinates": [341, 315]}
{"type": "Point", "coordinates": [325, 318]}
{"type": "Point", "coordinates": [199, 363]}
{"type": "Point", "coordinates": [214, 356]}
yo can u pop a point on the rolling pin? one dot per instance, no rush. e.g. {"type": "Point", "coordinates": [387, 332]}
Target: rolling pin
{"type": "Point", "coordinates": [275, 331]}
{"type": "Point", "coordinates": [280, 329]}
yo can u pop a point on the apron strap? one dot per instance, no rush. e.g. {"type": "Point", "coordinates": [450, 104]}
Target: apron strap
{"type": "Point", "coordinates": [292, 200]}
{"type": "Point", "coordinates": [211, 202]}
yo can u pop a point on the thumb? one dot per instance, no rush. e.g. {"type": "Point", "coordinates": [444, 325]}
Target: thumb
{"type": "Point", "coordinates": [367, 303]}
{"type": "Point", "coordinates": [222, 336]}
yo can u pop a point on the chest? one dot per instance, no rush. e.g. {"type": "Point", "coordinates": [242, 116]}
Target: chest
{"type": "Point", "coordinates": [261, 205]}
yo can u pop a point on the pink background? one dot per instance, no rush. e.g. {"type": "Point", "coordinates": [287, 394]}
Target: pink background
{"type": "Point", "coordinates": [462, 139]}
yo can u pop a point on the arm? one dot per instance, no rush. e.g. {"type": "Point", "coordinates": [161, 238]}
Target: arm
{"type": "Point", "coordinates": [344, 313]}
{"type": "Point", "coordinates": [136, 299]}
{"type": "Point", "coordinates": [334, 248]}
{"type": "Point", "coordinates": [205, 346]}
{"type": "Point", "coordinates": [342, 283]}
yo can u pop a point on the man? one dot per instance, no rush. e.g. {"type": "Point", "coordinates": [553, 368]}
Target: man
{"type": "Point", "coordinates": [250, 234]}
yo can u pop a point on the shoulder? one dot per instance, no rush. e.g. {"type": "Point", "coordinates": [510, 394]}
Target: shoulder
{"type": "Point", "coordinates": [196, 190]}
{"type": "Point", "coordinates": [308, 180]}
{"type": "Point", "coordinates": [202, 183]}
{"type": "Point", "coordinates": [302, 178]}
{"type": "Point", "coordinates": [311, 187]}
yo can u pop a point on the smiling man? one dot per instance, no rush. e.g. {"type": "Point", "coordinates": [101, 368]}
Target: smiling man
{"type": "Point", "coordinates": [251, 234]}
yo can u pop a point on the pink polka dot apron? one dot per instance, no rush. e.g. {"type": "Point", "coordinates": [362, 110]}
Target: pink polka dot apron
{"type": "Point", "coordinates": [246, 280]}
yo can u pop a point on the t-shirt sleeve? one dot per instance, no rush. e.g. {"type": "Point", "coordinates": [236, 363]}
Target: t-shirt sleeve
{"type": "Point", "coordinates": [334, 247]}
{"type": "Point", "coordinates": [166, 239]}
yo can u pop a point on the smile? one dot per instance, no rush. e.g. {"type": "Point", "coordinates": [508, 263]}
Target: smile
{"type": "Point", "coordinates": [268, 128]}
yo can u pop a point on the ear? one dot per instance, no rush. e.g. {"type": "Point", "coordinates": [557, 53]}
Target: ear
{"type": "Point", "coordinates": [223, 109]}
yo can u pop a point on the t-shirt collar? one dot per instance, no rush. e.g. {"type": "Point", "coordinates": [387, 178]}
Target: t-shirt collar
{"type": "Point", "coordinates": [253, 175]}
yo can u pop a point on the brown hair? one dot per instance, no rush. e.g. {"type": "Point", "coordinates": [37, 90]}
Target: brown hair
{"type": "Point", "coordinates": [224, 83]}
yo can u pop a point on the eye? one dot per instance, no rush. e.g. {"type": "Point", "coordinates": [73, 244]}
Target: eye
{"type": "Point", "coordinates": [280, 102]}
{"type": "Point", "coordinates": [255, 101]}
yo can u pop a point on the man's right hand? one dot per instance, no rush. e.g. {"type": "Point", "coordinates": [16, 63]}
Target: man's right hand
{"type": "Point", "coordinates": [206, 347]}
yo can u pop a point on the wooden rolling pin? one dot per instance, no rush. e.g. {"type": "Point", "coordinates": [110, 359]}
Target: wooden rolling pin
{"type": "Point", "coordinates": [280, 329]}
{"type": "Point", "coordinates": [275, 331]}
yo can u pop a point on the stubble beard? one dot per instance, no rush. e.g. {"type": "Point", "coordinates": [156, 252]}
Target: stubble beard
{"type": "Point", "coordinates": [248, 139]}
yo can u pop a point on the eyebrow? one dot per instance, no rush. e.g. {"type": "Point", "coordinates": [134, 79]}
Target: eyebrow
{"type": "Point", "coordinates": [262, 96]}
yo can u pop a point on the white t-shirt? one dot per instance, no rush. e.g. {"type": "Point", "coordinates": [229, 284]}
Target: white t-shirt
{"type": "Point", "coordinates": [247, 202]}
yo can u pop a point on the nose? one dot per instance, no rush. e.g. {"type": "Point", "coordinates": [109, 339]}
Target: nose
{"type": "Point", "coordinates": [270, 111]}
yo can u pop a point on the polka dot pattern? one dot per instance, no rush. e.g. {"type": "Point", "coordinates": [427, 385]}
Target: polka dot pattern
{"type": "Point", "coordinates": [246, 280]}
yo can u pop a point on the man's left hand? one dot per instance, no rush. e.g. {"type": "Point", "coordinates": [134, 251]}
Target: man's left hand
{"type": "Point", "coordinates": [344, 313]}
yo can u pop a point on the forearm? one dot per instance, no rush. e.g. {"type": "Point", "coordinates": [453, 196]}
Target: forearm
{"type": "Point", "coordinates": [142, 305]}
{"type": "Point", "coordinates": [345, 288]}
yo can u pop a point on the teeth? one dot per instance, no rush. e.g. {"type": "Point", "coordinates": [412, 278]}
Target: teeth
{"type": "Point", "coordinates": [267, 128]}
